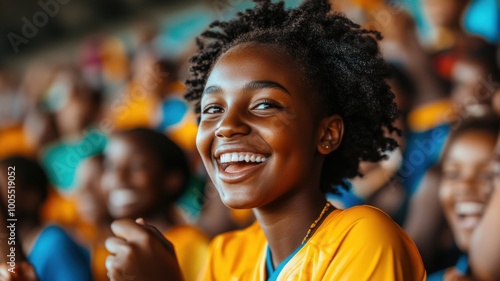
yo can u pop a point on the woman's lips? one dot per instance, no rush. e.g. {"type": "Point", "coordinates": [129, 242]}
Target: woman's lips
{"type": "Point", "coordinates": [238, 167]}
{"type": "Point", "coordinates": [120, 198]}
{"type": "Point", "coordinates": [468, 222]}
{"type": "Point", "coordinates": [238, 171]}
{"type": "Point", "coordinates": [469, 214]}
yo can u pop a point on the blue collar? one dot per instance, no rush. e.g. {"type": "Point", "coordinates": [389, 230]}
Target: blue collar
{"type": "Point", "coordinates": [463, 265]}
{"type": "Point", "coordinates": [272, 273]}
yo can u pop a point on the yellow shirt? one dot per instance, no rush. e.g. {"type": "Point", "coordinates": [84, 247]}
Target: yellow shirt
{"type": "Point", "coordinates": [191, 248]}
{"type": "Point", "coordinates": [359, 243]}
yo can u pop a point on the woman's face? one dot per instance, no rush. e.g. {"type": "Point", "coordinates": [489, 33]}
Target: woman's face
{"type": "Point", "coordinates": [132, 181]}
{"type": "Point", "coordinates": [467, 183]}
{"type": "Point", "coordinates": [259, 128]}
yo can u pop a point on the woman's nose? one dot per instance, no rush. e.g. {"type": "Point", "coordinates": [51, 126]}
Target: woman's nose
{"type": "Point", "coordinates": [469, 187]}
{"type": "Point", "coordinates": [231, 124]}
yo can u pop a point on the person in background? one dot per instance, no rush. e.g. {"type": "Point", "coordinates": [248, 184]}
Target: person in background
{"type": "Point", "coordinates": [93, 217]}
{"type": "Point", "coordinates": [466, 185]}
{"type": "Point", "coordinates": [53, 254]}
{"type": "Point", "coordinates": [144, 173]}
{"type": "Point", "coordinates": [484, 253]}
{"type": "Point", "coordinates": [450, 40]}
{"type": "Point", "coordinates": [76, 108]}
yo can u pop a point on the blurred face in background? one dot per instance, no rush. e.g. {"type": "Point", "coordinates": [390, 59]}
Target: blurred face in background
{"type": "Point", "coordinates": [471, 91]}
{"type": "Point", "coordinates": [444, 13]}
{"type": "Point", "coordinates": [496, 164]}
{"type": "Point", "coordinates": [74, 103]}
{"type": "Point", "coordinates": [496, 101]}
{"type": "Point", "coordinates": [467, 182]}
{"type": "Point", "coordinates": [88, 195]}
{"type": "Point", "coordinates": [74, 116]}
{"type": "Point", "coordinates": [133, 178]}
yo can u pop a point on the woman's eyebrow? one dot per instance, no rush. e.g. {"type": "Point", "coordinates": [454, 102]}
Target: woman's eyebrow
{"type": "Point", "coordinates": [212, 90]}
{"type": "Point", "coordinates": [265, 84]}
{"type": "Point", "coordinates": [250, 86]}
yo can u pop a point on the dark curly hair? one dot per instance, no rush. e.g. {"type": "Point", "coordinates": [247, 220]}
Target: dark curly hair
{"type": "Point", "coordinates": [338, 57]}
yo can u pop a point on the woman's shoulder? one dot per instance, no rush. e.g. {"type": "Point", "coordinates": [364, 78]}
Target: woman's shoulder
{"type": "Point", "coordinates": [366, 238]}
{"type": "Point", "coordinates": [54, 245]}
{"type": "Point", "coordinates": [54, 233]}
{"type": "Point", "coordinates": [365, 215]}
{"type": "Point", "coordinates": [364, 224]}
{"type": "Point", "coordinates": [54, 239]}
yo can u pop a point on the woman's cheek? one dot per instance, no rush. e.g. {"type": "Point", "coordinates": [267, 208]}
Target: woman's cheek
{"type": "Point", "coordinates": [445, 193]}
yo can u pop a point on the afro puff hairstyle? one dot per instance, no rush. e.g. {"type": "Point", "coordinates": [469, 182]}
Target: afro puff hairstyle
{"type": "Point", "coordinates": [342, 61]}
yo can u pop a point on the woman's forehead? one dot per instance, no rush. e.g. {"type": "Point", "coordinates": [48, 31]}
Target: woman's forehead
{"type": "Point", "coordinates": [257, 62]}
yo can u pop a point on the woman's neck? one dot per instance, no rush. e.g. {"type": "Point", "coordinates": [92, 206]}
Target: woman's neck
{"type": "Point", "coordinates": [285, 224]}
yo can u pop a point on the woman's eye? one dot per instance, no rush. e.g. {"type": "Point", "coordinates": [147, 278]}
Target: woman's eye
{"type": "Point", "coordinates": [451, 175]}
{"type": "Point", "coordinates": [212, 109]}
{"type": "Point", "coordinates": [486, 176]}
{"type": "Point", "coordinates": [267, 105]}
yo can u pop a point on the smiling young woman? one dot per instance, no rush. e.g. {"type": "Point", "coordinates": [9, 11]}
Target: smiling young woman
{"type": "Point", "coordinates": [290, 101]}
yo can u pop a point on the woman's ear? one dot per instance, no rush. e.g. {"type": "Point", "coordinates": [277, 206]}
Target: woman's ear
{"type": "Point", "coordinates": [332, 130]}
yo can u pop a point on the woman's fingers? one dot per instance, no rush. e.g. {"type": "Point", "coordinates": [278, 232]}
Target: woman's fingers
{"type": "Point", "coordinates": [127, 230]}
{"type": "Point", "coordinates": [139, 233]}
{"type": "Point", "coordinates": [4, 273]}
{"type": "Point", "coordinates": [28, 272]}
{"type": "Point", "coordinates": [115, 244]}
{"type": "Point", "coordinates": [140, 221]}
{"type": "Point", "coordinates": [140, 251]}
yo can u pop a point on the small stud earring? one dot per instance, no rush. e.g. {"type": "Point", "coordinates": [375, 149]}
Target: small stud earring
{"type": "Point", "coordinates": [325, 146]}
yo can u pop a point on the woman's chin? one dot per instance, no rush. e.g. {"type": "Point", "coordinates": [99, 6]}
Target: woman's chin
{"type": "Point", "coordinates": [234, 202]}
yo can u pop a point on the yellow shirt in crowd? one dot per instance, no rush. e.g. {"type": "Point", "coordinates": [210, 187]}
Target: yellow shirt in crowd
{"type": "Point", "coordinates": [359, 243]}
{"type": "Point", "coordinates": [191, 248]}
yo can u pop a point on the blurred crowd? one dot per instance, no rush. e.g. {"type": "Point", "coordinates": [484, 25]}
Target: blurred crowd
{"type": "Point", "coordinates": [108, 135]}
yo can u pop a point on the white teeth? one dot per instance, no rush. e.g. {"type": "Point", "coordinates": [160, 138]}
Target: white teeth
{"type": "Point", "coordinates": [240, 157]}
{"type": "Point", "coordinates": [469, 208]}
{"type": "Point", "coordinates": [225, 158]}
{"type": "Point", "coordinates": [120, 197]}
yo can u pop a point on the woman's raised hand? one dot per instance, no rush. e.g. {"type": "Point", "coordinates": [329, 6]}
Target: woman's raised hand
{"type": "Point", "coordinates": [139, 252]}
